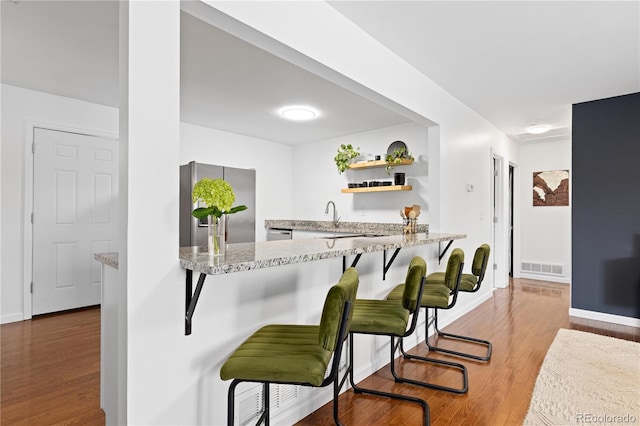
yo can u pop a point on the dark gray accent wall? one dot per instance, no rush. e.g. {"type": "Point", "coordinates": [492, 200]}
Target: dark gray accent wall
{"type": "Point", "coordinates": [606, 206]}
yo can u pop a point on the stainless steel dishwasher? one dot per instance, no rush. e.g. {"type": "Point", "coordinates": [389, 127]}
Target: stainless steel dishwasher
{"type": "Point", "coordinates": [274, 234]}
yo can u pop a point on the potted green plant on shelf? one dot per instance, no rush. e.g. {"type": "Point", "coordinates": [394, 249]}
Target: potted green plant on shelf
{"type": "Point", "coordinates": [396, 157]}
{"type": "Point", "coordinates": [218, 197]}
{"type": "Point", "coordinates": [345, 154]}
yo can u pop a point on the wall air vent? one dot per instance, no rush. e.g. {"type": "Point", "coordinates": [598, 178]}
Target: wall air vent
{"type": "Point", "coordinates": [283, 395]}
{"type": "Point", "coordinates": [249, 402]}
{"type": "Point", "coordinates": [542, 268]}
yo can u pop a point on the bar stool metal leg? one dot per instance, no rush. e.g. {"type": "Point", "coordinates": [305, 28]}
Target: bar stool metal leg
{"type": "Point", "coordinates": [231, 402]}
{"type": "Point", "coordinates": [358, 389]}
{"type": "Point", "coordinates": [455, 365]}
{"type": "Point", "coordinates": [441, 333]}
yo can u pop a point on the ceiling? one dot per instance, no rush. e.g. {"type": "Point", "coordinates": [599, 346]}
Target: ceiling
{"type": "Point", "coordinates": [70, 48]}
{"type": "Point", "coordinates": [512, 62]}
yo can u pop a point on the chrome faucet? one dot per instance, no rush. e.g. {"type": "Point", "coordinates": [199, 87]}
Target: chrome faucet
{"type": "Point", "coordinates": [336, 219]}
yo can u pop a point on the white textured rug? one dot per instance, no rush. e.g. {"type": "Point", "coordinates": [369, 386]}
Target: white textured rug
{"type": "Point", "coordinates": [586, 378]}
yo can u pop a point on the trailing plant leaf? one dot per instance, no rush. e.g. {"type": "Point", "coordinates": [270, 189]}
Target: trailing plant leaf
{"type": "Point", "coordinates": [345, 154]}
{"type": "Point", "coordinates": [396, 157]}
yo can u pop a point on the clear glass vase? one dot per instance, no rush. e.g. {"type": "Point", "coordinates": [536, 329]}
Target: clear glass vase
{"type": "Point", "coordinates": [216, 241]}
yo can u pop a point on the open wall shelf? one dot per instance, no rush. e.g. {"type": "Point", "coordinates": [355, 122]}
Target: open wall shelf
{"type": "Point", "coordinates": [378, 189]}
{"type": "Point", "coordinates": [378, 163]}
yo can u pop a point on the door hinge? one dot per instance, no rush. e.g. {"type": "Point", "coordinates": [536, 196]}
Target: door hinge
{"type": "Point", "coordinates": [32, 218]}
{"type": "Point", "coordinates": [495, 219]}
{"type": "Point", "coordinates": [33, 148]}
{"type": "Point", "coordinates": [495, 266]}
{"type": "Point", "coordinates": [31, 288]}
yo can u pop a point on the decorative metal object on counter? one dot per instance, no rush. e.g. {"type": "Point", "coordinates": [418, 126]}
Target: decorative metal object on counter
{"type": "Point", "coordinates": [410, 218]}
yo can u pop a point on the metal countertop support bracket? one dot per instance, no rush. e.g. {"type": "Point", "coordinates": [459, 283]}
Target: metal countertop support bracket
{"type": "Point", "coordinates": [353, 264]}
{"type": "Point", "coordinates": [385, 265]}
{"type": "Point", "coordinates": [191, 299]}
{"type": "Point", "coordinates": [443, 252]}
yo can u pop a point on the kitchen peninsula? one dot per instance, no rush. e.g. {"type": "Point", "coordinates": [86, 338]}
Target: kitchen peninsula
{"type": "Point", "coordinates": [251, 285]}
{"type": "Point", "coordinates": [266, 254]}
{"type": "Point", "coordinates": [248, 256]}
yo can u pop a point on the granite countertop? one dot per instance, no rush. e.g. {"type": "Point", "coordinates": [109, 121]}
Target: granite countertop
{"type": "Point", "coordinates": [248, 256]}
{"type": "Point", "coordinates": [368, 228]}
{"type": "Point", "coordinates": [110, 259]}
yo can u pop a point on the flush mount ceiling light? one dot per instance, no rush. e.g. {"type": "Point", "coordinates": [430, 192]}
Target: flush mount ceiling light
{"type": "Point", "coordinates": [537, 129]}
{"type": "Point", "coordinates": [298, 113]}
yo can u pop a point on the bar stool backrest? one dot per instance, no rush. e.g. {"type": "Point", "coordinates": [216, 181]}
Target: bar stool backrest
{"type": "Point", "coordinates": [480, 260]}
{"type": "Point", "coordinates": [454, 269]}
{"type": "Point", "coordinates": [332, 313]}
{"type": "Point", "coordinates": [415, 274]}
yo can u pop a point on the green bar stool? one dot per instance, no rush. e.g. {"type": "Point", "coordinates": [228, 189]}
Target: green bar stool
{"type": "Point", "coordinates": [438, 295]}
{"type": "Point", "coordinates": [295, 354]}
{"type": "Point", "coordinates": [390, 318]}
{"type": "Point", "coordinates": [468, 283]}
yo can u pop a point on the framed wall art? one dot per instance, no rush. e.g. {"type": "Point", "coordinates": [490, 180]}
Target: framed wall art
{"type": "Point", "coordinates": [551, 188]}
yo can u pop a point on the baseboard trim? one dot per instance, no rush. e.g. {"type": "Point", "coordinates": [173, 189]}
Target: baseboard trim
{"type": "Point", "coordinates": [502, 285]}
{"type": "Point", "coordinates": [11, 318]}
{"type": "Point", "coordinates": [601, 316]}
{"type": "Point", "coordinates": [455, 314]}
{"type": "Point", "coordinates": [549, 278]}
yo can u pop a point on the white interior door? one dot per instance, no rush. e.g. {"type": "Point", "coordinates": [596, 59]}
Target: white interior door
{"type": "Point", "coordinates": [75, 190]}
{"type": "Point", "coordinates": [499, 223]}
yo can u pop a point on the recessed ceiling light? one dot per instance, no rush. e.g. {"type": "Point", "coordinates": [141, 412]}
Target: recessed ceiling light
{"type": "Point", "coordinates": [298, 113]}
{"type": "Point", "coordinates": [537, 128]}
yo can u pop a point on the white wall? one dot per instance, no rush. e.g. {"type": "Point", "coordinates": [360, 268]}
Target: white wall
{"type": "Point", "coordinates": [546, 231]}
{"type": "Point", "coordinates": [21, 109]}
{"type": "Point", "coordinates": [271, 160]}
{"type": "Point", "coordinates": [1, 189]}
{"type": "Point", "coordinates": [148, 268]}
{"type": "Point", "coordinates": [466, 139]}
{"type": "Point", "coordinates": [314, 161]}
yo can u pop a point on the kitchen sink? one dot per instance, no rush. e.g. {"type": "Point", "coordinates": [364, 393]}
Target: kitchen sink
{"type": "Point", "coordinates": [335, 237]}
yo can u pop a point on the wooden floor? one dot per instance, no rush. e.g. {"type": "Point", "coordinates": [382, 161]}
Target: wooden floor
{"type": "Point", "coordinates": [50, 370]}
{"type": "Point", "coordinates": [520, 321]}
{"type": "Point", "coordinates": [50, 366]}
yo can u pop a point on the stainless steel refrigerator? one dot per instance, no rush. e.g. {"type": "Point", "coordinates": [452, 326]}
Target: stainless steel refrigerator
{"type": "Point", "coordinates": [241, 226]}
